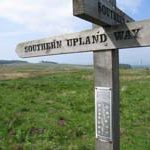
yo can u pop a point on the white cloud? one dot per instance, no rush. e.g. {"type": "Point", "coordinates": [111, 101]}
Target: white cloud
{"type": "Point", "coordinates": [14, 33]}
{"type": "Point", "coordinates": [40, 15]}
{"type": "Point", "coordinates": [131, 6]}
{"type": "Point", "coordinates": [53, 16]}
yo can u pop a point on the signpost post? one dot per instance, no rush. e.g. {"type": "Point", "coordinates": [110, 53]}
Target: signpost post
{"type": "Point", "coordinates": [106, 66]}
{"type": "Point", "coordinates": [104, 42]}
{"type": "Point", "coordinates": [107, 116]}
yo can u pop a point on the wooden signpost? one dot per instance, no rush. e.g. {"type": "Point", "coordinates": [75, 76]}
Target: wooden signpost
{"type": "Point", "coordinates": [115, 33]}
{"type": "Point", "coordinates": [129, 35]}
{"type": "Point", "coordinates": [100, 12]}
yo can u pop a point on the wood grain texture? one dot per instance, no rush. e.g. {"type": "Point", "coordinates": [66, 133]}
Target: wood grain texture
{"type": "Point", "coordinates": [142, 39]}
{"type": "Point", "coordinates": [106, 67]}
{"type": "Point", "coordinates": [89, 10]}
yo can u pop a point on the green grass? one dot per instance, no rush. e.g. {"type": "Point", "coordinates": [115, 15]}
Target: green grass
{"type": "Point", "coordinates": [55, 110]}
{"type": "Point", "coordinates": [135, 109]}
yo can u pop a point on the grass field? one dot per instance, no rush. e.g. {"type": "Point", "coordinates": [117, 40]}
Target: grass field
{"type": "Point", "coordinates": [51, 107]}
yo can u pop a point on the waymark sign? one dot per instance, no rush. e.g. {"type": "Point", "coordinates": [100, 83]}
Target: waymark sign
{"type": "Point", "coordinates": [129, 35]}
{"type": "Point", "coordinates": [115, 33]}
{"type": "Point", "coordinates": [100, 12]}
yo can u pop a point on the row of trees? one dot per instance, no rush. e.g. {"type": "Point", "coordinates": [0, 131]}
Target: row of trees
{"type": "Point", "coordinates": [11, 62]}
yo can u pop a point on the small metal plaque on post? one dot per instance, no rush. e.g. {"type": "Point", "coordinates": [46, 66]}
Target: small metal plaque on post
{"type": "Point", "coordinates": [103, 113]}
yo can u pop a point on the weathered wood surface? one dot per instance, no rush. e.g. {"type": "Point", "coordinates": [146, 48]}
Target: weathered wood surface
{"type": "Point", "coordinates": [100, 12]}
{"type": "Point", "coordinates": [135, 34]}
{"type": "Point", "coordinates": [106, 67]}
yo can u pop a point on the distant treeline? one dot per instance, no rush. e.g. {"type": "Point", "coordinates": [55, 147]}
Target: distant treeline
{"type": "Point", "coordinates": [2, 62]}
{"type": "Point", "coordinates": [125, 66]}
{"type": "Point", "coordinates": [49, 62]}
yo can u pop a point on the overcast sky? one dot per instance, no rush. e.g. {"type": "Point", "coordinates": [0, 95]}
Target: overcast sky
{"type": "Point", "coordinates": [23, 20]}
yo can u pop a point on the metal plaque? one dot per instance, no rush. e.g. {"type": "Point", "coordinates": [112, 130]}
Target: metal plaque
{"type": "Point", "coordinates": [103, 113]}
